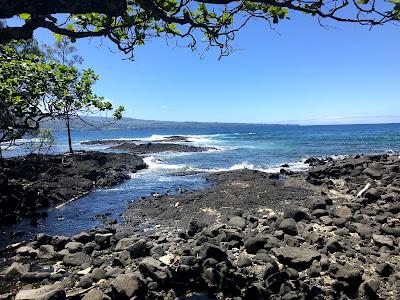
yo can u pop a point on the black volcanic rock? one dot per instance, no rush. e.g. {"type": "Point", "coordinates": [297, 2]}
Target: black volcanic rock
{"type": "Point", "coordinates": [38, 181]}
{"type": "Point", "coordinates": [158, 147]}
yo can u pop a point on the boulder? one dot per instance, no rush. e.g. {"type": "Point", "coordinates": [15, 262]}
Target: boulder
{"type": "Point", "coordinates": [59, 242]}
{"type": "Point", "coordinates": [254, 244]}
{"type": "Point", "coordinates": [195, 226]}
{"type": "Point", "coordinates": [77, 259]}
{"type": "Point", "coordinates": [103, 239]}
{"type": "Point", "coordinates": [209, 250]}
{"type": "Point", "coordinates": [352, 275]}
{"type": "Point", "coordinates": [384, 269]}
{"type": "Point", "coordinates": [27, 251]}
{"type": "Point", "coordinates": [237, 222]}
{"type": "Point", "coordinates": [47, 292]}
{"type": "Point", "coordinates": [125, 286]}
{"type": "Point", "coordinates": [296, 213]}
{"type": "Point", "coordinates": [313, 203]}
{"type": "Point", "coordinates": [95, 294]}
{"type": "Point", "coordinates": [73, 246]}
{"type": "Point", "coordinates": [342, 212]}
{"type": "Point", "coordinates": [16, 270]}
{"type": "Point", "coordinates": [381, 240]}
{"type": "Point", "coordinates": [297, 258]}
{"type": "Point", "coordinates": [373, 173]}
{"type": "Point", "coordinates": [83, 237]}
{"type": "Point", "coordinates": [244, 261]}
{"type": "Point", "coordinates": [138, 249]}
{"type": "Point", "coordinates": [154, 269]}
{"type": "Point", "coordinates": [288, 226]}
{"type": "Point", "coordinates": [124, 243]}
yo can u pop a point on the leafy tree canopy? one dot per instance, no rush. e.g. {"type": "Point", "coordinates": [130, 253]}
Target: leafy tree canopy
{"type": "Point", "coordinates": [32, 90]}
{"type": "Point", "coordinates": [131, 23]}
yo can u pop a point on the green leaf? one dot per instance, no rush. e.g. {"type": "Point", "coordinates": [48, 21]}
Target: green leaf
{"type": "Point", "coordinates": [25, 16]}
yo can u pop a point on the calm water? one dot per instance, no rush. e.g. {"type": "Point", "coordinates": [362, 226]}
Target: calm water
{"type": "Point", "coordinates": [256, 147]}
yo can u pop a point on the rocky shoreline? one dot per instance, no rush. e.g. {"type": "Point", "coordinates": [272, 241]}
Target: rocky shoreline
{"type": "Point", "coordinates": [39, 181]}
{"type": "Point", "coordinates": [330, 233]}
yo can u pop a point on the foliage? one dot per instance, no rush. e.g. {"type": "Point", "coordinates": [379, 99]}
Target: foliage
{"type": "Point", "coordinates": [215, 22]}
{"type": "Point", "coordinates": [32, 90]}
{"type": "Point", "coordinates": [63, 52]}
{"type": "Point", "coordinates": [39, 141]}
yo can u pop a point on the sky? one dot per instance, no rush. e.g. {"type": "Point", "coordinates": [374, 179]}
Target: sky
{"type": "Point", "coordinates": [299, 72]}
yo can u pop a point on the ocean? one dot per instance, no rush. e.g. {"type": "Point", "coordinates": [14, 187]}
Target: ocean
{"type": "Point", "coordinates": [258, 147]}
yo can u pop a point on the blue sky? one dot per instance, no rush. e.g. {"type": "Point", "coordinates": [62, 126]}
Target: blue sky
{"type": "Point", "coordinates": [297, 73]}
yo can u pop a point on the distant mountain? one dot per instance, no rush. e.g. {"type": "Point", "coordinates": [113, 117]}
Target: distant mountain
{"type": "Point", "coordinates": [94, 122]}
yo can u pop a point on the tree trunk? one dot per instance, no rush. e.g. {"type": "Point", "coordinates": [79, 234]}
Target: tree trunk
{"type": "Point", "coordinates": [69, 136]}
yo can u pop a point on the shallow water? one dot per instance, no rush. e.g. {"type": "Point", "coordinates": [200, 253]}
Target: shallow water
{"type": "Point", "coordinates": [261, 147]}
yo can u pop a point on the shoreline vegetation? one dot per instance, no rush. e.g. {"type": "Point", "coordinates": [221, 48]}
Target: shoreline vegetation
{"type": "Point", "coordinates": [329, 233]}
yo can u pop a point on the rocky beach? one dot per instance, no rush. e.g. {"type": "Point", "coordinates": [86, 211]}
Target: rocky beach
{"type": "Point", "coordinates": [329, 233]}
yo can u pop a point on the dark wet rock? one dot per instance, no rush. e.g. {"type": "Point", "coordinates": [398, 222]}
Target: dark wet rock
{"type": "Point", "coordinates": [195, 226]}
{"type": "Point", "coordinates": [315, 203]}
{"type": "Point", "coordinates": [319, 213]}
{"type": "Point", "coordinates": [43, 238]}
{"type": "Point", "coordinates": [274, 282]}
{"type": "Point", "coordinates": [212, 251]}
{"type": "Point", "coordinates": [158, 147]}
{"type": "Point", "coordinates": [394, 208]}
{"type": "Point", "coordinates": [372, 194]}
{"type": "Point", "coordinates": [125, 286]}
{"type": "Point", "coordinates": [369, 289]}
{"type": "Point", "coordinates": [333, 245]}
{"type": "Point", "coordinates": [384, 269]}
{"type": "Point", "coordinates": [297, 258]}
{"type": "Point", "coordinates": [296, 213]}
{"type": "Point", "coordinates": [211, 276]}
{"type": "Point", "coordinates": [138, 249]}
{"type": "Point", "coordinates": [59, 242]}
{"type": "Point", "coordinates": [77, 259]}
{"type": "Point", "coordinates": [350, 275]}
{"type": "Point", "coordinates": [253, 244]}
{"type": "Point", "coordinates": [103, 239]}
{"type": "Point", "coordinates": [83, 237]}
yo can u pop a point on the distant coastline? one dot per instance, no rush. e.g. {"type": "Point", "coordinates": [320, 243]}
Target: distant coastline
{"type": "Point", "coordinates": [105, 123]}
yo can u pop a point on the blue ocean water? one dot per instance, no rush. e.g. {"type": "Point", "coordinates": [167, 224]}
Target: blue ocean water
{"type": "Point", "coordinates": [261, 147]}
